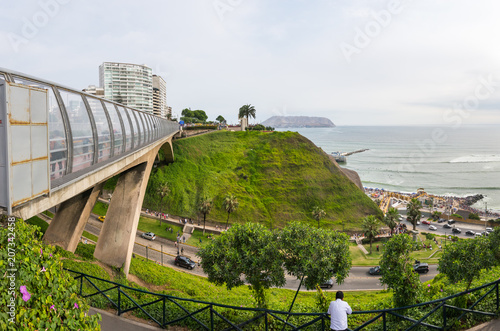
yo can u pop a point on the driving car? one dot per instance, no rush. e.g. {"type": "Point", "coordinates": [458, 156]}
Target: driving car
{"type": "Point", "coordinates": [470, 233]}
{"type": "Point", "coordinates": [451, 221]}
{"type": "Point", "coordinates": [426, 222]}
{"type": "Point", "coordinates": [148, 235]}
{"type": "Point", "coordinates": [101, 218]}
{"type": "Point", "coordinates": [421, 268]}
{"type": "Point", "coordinates": [447, 226]}
{"type": "Point", "coordinates": [418, 222]}
{"type": "Point", "coordinates": [478, 234]}
{"type": "Point", "coordinates": [327, 283]}
{"type": "Point", "coordinates": [489, 230]}
{"type": "Point", "coordinates": [185, 262]}
{"type": "Point", "coordinates": [456, 230]}
{"type": "Point", "coordinates": [432, 227]}
{"type": "Point", "coordinates": [375, 271]}
{"type": "Point", "coordinates": [441, 220]}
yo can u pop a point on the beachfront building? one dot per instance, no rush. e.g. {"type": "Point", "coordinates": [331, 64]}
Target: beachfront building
{"type": "Point", "coordinates": [127, 83]}
{"type": "Point", "coordinates": [159, 96]}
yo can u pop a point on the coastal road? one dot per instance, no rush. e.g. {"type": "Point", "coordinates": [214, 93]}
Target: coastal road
{"type": "Point", "coordinates": [358, 279]}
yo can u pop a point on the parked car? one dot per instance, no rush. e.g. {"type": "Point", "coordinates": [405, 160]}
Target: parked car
{"type": "Point", "coordinates": [451, 221]}
{"type": "Point", "coordinates": [489, 230]}
{"type": "Point", "coordinates": [432, 227]}
{"type": "Point", "coordinates": [421, 268]}
{"type": "Point", "coordinates": [426, 222]}
{"type": "Point", "coordinates": [418, 222]}
{"type": "Point", "coordinates": [470, 233]}
{"type": "Point", "coordinates": [441, 220]}
{"type": "Point", "coordinates": [327, 283]}
{"type": "Point", "coordinates": [101, 218]}
{"type": "Point", "coordinates": [375, 271]}
{"type": "Point", "coordinates": [456, 230]}
{"type": "Point", "coordinates": [148, 235]}
{"type": "Point", "coordinates": [478, 234]}
{"type": "Point", "coordinates": [184, 262]}
{"type": "Point", "coordinates": [447, 226]}
{"type": "Point", "coordinates": [485, 233]}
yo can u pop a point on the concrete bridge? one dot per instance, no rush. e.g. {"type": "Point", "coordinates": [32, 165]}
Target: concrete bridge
{"type": "Point", "coordinates": [58, 146]}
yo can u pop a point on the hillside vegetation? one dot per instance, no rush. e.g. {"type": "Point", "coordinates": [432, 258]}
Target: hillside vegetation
{"type": "Point", "coordinates": [277, 177]}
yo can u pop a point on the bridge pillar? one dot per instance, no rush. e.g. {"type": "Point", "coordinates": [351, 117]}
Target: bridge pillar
{"type": "Point", "coordinates": [67, 226]}
{"type": "Point", "coordinates": [116, 240]}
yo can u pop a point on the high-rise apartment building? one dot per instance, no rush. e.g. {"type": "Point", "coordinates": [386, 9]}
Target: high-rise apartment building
{"type": "Point", "coordinates": [130, 84]}
{"type": "Point", "coordinates": [159, 96]}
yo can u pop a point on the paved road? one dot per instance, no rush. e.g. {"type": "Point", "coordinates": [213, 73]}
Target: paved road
{"type": "Point", "coordinates": [358, 279]}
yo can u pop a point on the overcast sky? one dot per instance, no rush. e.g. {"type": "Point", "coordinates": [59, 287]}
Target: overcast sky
{"type": "Point", "coordinates": [357, 62]}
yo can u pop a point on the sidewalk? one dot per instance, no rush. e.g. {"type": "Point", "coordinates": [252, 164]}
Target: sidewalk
{"type": "Point", "coordinates": [111, 322]}
{"type": "Point", "coordinates": [492, 325]}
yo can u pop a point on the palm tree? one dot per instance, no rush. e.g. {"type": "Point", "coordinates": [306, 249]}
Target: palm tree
{"type": "Point", "coordinates": [318, 214]}
{"type": "Point", "coordinates": [370, 228]}
{"type": "Point", "coordinates": [391, 218]}
{"type": "Point", "coordinates": [230, 204]}
{"type": "Point", "coordinates": [163, 190]}
{"type": "Point", "coordinates": [205, 207]}
{"type": "Point", "coordinates": [413, 212]}
{"type": "Point", "coordinates": [247, 111]}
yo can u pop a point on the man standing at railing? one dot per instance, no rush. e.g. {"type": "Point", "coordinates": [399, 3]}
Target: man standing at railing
{"type": "Point", "coordinates": [338, 311]}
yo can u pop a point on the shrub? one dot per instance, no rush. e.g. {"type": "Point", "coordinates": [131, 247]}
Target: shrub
{"type": "Point", "coordinates": [429, 236]}
{"type": "Point", "coordinates": [457, 215]}
{"type": "Point", "coordinates": [200, 127]}
{"type": "Point", "coordinates": [473, 216]}
{"type": "Point", "coordinates": [42, 295]}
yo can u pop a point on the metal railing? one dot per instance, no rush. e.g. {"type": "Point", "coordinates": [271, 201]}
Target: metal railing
{"type": "Point", "coordinates": [441, 314]}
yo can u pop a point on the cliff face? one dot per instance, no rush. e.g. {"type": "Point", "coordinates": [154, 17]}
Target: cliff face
{"type": "Point", "coordinates": [298, 122]}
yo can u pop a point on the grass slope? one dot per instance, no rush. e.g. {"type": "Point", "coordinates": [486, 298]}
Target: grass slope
{"type": "Point", "coordinates": [277, 177]}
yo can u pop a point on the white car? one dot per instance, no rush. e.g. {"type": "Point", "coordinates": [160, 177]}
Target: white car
{"type": "Point", "coordinates": [148, 235]}
{"type": "Point", "coordinates": [432, 227]}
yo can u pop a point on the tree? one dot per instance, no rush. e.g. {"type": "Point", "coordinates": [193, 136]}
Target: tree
{"type": "Point", "coordinates": [436, 215]}
{"type": "Point", "coordinates": [220, 119]}
{"type": "Point", "coordinates": [494, 241]}
{"type": "Point", "coordinates": [205, 207]}
{"type": "Point", "coordinates": [391, 218]}
{"type": "Point", "coordinates": [318, 214]}
{"type": "Point", "coordinates": [397, 271]}
{"type": "Point", "coordinates": [230, 204]}
{"type": "Point", "coordinates": [464, 259]}
{"type": "Point", "coordinates": [370, 228]}
{"type": "Point", "coordinates": [248, 250]}
{"type": "Point", "coordinates": [163, 190]}
{"type": "Point", "coordinates": [314, 255]}
{"type": "Point", "coordinates": [413, 212]}
{"type": "Point", "coordinates": [247, 111]}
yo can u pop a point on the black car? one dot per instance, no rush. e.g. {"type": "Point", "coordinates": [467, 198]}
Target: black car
{"type": "Point", "coordinates": [456, 230]}
{"type": "Point", "coordinates": [470, 233]}
{"type": "Point", "coordinates": [375, 271]}
{"type": "Point", "coordinates": [421, 268]}
{"type": "Point", "coordinates": [184, 262]}
{"type": "Point", "coordinates": [447, 226]}
{"type": "Point", "coordinates": [327, 283]}
{"type": "Point", "coordinates": [451, 221]}
{"type": "Point", "coordinates": [441, 220]}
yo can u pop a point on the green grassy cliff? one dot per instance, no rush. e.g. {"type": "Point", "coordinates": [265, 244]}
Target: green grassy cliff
{"type": "Point", "coordinates": [277, 177]}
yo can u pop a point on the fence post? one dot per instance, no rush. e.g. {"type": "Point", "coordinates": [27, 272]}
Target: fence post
{"type": "Point", "coordinates": [81, 286]}
{"type": "Point", "coordinates": [444, 316]}
{"type": "Point", "coordinates": [265, 320]}
{"type": "Point", "coordinates": [119, 301]}
{"type": "Point", "coordinates": [147, 253]}
{"type": "Point", "coordinates": [497, 296]}
{"type": "Point", "coordinates": [211, 318]}
{"type": "Point", "coordinates": [383, 320]}
{"type": "Point", "coordinates": [163, 323]}
{"type": "Point", "coordinates": [161, 254]}
{"type": "Point", "coordinates": [322, 322]}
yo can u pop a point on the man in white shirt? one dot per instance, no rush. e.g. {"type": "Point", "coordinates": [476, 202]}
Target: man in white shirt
{"type": "Point", "coordinates": [338, 311]}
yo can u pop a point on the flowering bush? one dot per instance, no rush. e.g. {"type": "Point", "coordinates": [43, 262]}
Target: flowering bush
{"type": "Point", "coordinates": [38, 293]}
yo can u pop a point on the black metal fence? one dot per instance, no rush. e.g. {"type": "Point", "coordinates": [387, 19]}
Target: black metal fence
{"type": "Point", "coordinates": [451, 313]}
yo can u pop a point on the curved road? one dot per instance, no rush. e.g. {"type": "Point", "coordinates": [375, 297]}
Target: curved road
{"type": "Point", "coordinates": [358, 279]}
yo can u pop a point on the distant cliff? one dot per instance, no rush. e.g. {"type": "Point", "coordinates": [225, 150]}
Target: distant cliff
{"type": "Point", "coordinates": [298, 122]}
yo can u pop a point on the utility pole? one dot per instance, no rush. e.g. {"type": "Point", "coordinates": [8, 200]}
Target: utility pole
{"type": "Point", "coordinates": [485, 216]}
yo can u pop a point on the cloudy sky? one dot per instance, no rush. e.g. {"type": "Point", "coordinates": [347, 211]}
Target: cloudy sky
{"type": "Point", "coordinates": [357, 62]}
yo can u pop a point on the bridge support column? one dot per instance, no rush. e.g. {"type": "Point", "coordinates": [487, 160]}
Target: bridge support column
{"type": "Point", "coordinates": [67, 225]}
{"type": "Point", "coordinates": [117, 237]}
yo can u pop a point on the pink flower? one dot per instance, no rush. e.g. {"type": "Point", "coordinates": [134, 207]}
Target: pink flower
{"type": "Point", "coordinates": [26, 294]}
{"type": "Point", "coordinates": [43, 269]}
{"type": "Point", "coordinates": [53, 307]}
{"type": "Point", "coordinates": [76, 305]}
{"type": "Point", "coordinates": [50, 254]}
{"type": "Point", "coordinates": [41, 251]}
{"type": "Point", "coordinates": [428, 285]}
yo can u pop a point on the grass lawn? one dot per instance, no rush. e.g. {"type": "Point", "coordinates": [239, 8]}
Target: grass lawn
{"type": "Point", "coordinates": [159, 229]}
{"type": "Point", "coordinates": [100, 208]}
{"type": "Point", "coordinates": [90, 236]}
{"type": "Point", "coordinates": [194, 240]}
{"type": "Point", "coordinates": [48, 213]}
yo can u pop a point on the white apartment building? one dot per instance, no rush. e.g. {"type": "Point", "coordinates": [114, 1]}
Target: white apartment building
{"type": "Point", "coordinates": [127, 83]}
{"type": "Point", "coordinates": [159, 96]}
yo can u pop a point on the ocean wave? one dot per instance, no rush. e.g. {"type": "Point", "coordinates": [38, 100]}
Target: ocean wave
{"type": "Point", "coordinates": [476, 159]}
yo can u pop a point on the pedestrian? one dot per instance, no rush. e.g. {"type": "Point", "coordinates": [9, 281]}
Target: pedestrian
{"type": "Point", "coordinates": [338, 311]}
{"type": "Point", "coordinates": [175, 243]}
{"type": "Point", "coordinates": [182, 250]}
{"type": "Point", "coordinates": [183, 239]}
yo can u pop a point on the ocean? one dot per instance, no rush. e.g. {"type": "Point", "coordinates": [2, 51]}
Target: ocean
{"type": "Point", "coordinates": [442, 160]}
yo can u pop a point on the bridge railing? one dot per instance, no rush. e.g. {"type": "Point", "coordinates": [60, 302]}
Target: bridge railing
{"type": "Point", "coordinates": [450, 313]}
